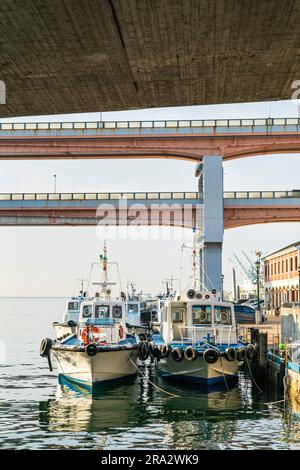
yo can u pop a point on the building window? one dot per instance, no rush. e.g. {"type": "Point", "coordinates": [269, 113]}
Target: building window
{"type": "Point", "coordinates": [286, 266]}
{"type": "Point", "coordinates": [282, 266]}
{"type": "Point", "coordinates": [272, 269]}
{"type": "Point", "coordinates": [278, 267]}
{"type": "Point", "coordinates": [296, 262]}
{"type": "Point", "coordinates": [291, 264]}
{"type": "Point", "coordinates": [275, 268]}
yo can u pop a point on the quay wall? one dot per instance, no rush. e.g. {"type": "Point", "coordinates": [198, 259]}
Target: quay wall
{"type": "Point", "coordinates": [290, 323]}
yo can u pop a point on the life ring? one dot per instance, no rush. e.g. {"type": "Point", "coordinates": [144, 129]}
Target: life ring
{"type": "Point", "coordinates": [121, 331]}
{"type": "Point", "coordinates": [211, 355]}
{"type": "Point", "coordinates": [177, 355]}
{"type": "Point", "coordinates": [190, 353]}
{"type": "Point", "coordinates": [202, 317]}
{"type": "Point", "coordinates": [96, 329]}
{"type": "Point", "coordinates": [224, 317]}
{"type": "Point", "coordinates": [230, 354]}
{"type": "Point", "coordinates": [241, 354]}
{"type": "Point", "coordinates": [85, 337]}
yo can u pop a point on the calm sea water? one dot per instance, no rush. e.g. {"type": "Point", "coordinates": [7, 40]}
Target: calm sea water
{"type": "Point", "coordinates": [37, 413]}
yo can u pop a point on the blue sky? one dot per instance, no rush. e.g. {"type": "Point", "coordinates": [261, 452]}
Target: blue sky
{"type": "Point", "coordinates": [47, 261]}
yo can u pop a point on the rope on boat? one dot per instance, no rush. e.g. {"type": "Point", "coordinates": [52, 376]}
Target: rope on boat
{"type": "Point", "coordinates": [251, 375]}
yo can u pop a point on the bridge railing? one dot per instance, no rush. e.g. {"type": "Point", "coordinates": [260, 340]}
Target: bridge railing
{"type": "Point", "coordinates": [97, 196]}
{"type": "Point", "coordinates": [134, 125]}
{"type": "Point", "coordinates": [140, 196]}
{"type": "Point", "coordinates": [261, 194]}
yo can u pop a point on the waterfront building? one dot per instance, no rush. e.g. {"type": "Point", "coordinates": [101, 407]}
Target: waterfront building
{"type": "Point", "coordinates": [281, 276]}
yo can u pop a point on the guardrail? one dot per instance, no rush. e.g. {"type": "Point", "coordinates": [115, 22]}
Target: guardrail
{"type": "Point", "coordinates": [144, 196]}
{"type": "Point", "coordinates": [96, 196]}
{"type": "Point", "coordinates": [90, 125]}
{"type": "Point", "coordinates": [261, 194]}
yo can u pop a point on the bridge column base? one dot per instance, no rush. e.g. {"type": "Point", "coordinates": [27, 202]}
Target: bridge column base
{"type": "Point", "coordinates": [212, 262]}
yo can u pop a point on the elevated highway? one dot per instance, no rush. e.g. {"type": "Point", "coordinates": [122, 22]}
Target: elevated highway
{"type": "Point", "coordinates": [180, 209]}
{"type": "Point", "coordinates": [186, 139]}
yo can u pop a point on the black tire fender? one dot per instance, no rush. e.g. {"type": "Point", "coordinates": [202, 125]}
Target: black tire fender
{"type": "Point", "coordinates": [190, 353]}
{"type": "Point", "coordinates": [177, 354]}
{"type": "Point", "coordinates": [241, 354]}
{"type": "Point", "coordinates": [230, 354]}
{"type": "Point", "coordinates": [45, 347]}
{"type": "Point", "coordinates": [211, 355]}
{"type": "Point", "coordinates": [91, 349]}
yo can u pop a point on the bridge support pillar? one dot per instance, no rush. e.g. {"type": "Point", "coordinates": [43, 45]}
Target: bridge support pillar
{"type": "Point", "coordinates": [212, 190]}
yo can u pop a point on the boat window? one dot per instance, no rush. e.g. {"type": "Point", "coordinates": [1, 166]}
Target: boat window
{"type": "Point", "coordinates": [201, 314]}
{"type": "Point", "coordinates": [73, 306]}
{"type": "Point", "coordinates": [132, 308]}
{"type": "Point", "coordinates": [87, 311]}
{"type": "Point", "coordinates": [101, 311]}
{"type": "Point", "coordinates": [222, 315]}
{"type": "Point", "coordinates": [177, 315]}
{"type": "Point", "coordinates": [117, 311]}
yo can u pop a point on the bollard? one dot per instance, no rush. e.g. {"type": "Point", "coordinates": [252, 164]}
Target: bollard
{"type": "Point", "coordinates": [254, 334]}
{"type": "Point", "coordinates": [263, 349]}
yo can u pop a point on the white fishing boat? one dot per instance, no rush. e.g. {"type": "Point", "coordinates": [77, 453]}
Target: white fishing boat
{"type": "Point", "coordinates": [70, 317]}
{"type": "Point", "coordinates": [135, 305]}
{"type": "Point", "coordinates": [198, 340]}
{"type": "Point", "coordinates": [100, 349]}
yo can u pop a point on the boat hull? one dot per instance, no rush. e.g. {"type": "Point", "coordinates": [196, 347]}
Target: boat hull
{"type": "Point", "coordinates": [78, 367]}
{"type": "Point", "coordinates": [199, 371]}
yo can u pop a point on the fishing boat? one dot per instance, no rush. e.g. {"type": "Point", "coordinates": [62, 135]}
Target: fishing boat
{"type": "Point", "coordinates": [70, 317]}
{"type": "Point", "coordinates": [135, 305]}
{"type": "Point", "coordinates": [100, 349]}
{"type": "Point", "coordinates": [198, 340]}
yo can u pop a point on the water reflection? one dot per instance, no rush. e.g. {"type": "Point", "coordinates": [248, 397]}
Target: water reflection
{"type": "Point", "coordinates": [37, 413]}
{"type": "Point", "coordinates": [142, 413]}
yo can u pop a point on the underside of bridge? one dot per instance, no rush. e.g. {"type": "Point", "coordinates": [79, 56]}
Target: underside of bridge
{"type": "Point", "coordinates": [241, 216]}
{"type": "Point", "coordinates": [62, 56]}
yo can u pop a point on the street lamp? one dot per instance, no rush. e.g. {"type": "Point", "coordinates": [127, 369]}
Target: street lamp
{"type": "Point", "coordinates": [298, 269]}
{"type": "Point", "coordinates": [222, 286]}
{"type": "Point", "coordinates": [54, 176]}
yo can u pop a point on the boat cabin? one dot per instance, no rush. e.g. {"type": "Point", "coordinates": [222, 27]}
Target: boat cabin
{"type": "Point", "coordinates": [72, 309]}
{"type": "Point", "coordinates": [133, 311]}
{"type": "Point", "coordinates": [102, 321]}
{"type": "Point", "coordinates": [193, 321]}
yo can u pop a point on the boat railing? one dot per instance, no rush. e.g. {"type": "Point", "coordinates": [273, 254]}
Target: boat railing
{"type": "Point", "coordinates": [293, 352]}
{"type": "Point", "coordinates": [194, 334]}
{"type": "Point", "coordinates": [220, 334]}
{"type": "Point", "coordinates": [223, 334]}
{"type": "Point", "coordinates": [109, 329]}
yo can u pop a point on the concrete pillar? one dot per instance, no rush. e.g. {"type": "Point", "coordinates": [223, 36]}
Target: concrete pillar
{"type": "Point", "coordinates": [213, 222]}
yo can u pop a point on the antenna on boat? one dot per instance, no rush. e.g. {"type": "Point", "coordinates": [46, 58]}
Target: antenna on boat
{"type": "Point", "coordinates": [82, 281]}
{"type": "Point", "coordinates": [104, 283]}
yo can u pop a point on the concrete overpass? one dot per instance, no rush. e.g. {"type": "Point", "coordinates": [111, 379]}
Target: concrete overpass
{"type": "Point", "coordinates": [78, 56]}
{"type": "Point", "coordinates": [184, 139]}
{"type": "Point", "coordinates": [176, 209]}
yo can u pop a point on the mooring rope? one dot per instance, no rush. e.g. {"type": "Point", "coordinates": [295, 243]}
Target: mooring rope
{"type": "Point", "coordinates": [251, 375]}
{"type": "Point", "coordinates": [148, 380]}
